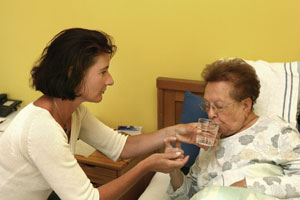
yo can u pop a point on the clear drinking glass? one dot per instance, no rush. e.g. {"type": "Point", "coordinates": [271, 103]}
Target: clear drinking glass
{"type": "Point", "coordinates": [209, 132]}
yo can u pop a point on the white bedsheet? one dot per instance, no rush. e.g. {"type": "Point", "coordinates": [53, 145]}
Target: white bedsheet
{"type": "Point", "coordinates": [157, 188]}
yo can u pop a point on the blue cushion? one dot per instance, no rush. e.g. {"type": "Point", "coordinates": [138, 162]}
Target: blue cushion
{"type": "Point", "coordinates": [190, 113]}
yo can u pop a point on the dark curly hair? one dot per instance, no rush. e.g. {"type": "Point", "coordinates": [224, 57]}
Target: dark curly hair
{"type": "Point", "coordinates": [242, 75]}
{"type": "Point", "coordinates": [65, 60]}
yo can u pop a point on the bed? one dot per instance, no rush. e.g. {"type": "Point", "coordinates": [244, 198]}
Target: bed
{"type": "Point", "coordinates": [171, 94]}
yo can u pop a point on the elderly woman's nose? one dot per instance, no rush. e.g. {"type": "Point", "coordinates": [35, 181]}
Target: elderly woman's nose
{"type": "Point", "coordinates": [211, 113]}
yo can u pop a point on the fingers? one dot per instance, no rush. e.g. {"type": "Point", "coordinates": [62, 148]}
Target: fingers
{"type": "Point", "coordinates": [184, 128]}
{"type": "Point", "coordinates": [173, 163]}
{"type": "Point", "coordinates": [186, 138]}
{"type": "Point", "coordinates": [178, 163]}
{"type": "Point", "coordinates": [168, 141]}
{"type": "Point", "coordinates": [186, 158]}
{"type": "Point", "coordinates": [194, 124]}
{"type": "Point", "coordinates": [216, 142]}
{"type": "Point", "coordinates": [169, 147]}
{"type": "Point", "coordinates": [166, 162]}
{"type": "Point", "coordinates": [175, 154]}
{"type": "Point", "coordinates": [168, 144]}
{"type": "Point", "coordinates": [185, 132]}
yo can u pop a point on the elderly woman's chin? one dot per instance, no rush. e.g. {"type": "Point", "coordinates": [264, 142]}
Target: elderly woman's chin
{"type": "Point", "coordinates": [224, 133]}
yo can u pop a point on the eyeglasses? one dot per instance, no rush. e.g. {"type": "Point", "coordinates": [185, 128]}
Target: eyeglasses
{"type": "Point", "coordinates": [216, 107]}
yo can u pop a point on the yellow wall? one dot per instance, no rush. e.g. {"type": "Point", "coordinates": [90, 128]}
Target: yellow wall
{"type": "Point", "coordinates": [173, 38]}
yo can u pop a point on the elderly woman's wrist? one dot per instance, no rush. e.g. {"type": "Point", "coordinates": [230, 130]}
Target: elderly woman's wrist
{"type": "Point", "coordinates": [175, 173]}
{"type": "Point", "coordinates": [176, 179]}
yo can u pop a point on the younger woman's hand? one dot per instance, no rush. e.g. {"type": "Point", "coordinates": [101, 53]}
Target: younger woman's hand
{"type": "Point", "coordinates": [185, 132]}
{"type": "Point", "coordinates": [188, 133]}
{"type": "Point", "coordinates": [166, 162]}
{"type": "Point", "coordinates": [173, 157]}
{"type": "Point", "coordinates": [169, 146]}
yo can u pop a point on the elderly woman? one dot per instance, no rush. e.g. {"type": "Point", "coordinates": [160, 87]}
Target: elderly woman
{"type": "Point", "coordinates": [256, 152]}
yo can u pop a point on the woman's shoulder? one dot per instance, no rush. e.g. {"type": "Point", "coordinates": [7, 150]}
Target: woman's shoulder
{"type": "Point", "coordinates": [36, 115]}
{"type": "Point", "coordinates": [31, 112]}
{"type": "Point", "coordinates": [34, 123]}
{"type": "Point", "coordinates": [274, 122]}
{"type": "Point", "coordinates": [273, 119]}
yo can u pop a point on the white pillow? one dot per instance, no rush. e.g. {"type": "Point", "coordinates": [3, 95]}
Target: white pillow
{"type": "Point", "coordinates": [280, 92]}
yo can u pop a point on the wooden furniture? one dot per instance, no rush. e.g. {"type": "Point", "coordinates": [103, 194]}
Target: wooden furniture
{"type": "Point", "coordinates": [100, 170]}
{"type": "Point", "coordinates": [170, 96]}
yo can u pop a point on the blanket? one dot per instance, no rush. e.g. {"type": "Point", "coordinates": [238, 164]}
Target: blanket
{"type": "Point", "coordinates": [229, 193]}
{"type": "Point", "coordinates": [217, 192]}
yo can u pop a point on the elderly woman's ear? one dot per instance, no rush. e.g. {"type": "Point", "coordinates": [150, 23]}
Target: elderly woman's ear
{"type": "Point", "coordinates": [247, 104]}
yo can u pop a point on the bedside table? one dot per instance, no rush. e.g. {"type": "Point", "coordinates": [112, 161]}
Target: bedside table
{"type": "Point", "coordinates": [100, 170]}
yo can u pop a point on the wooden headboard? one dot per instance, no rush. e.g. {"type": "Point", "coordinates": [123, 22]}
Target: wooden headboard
{"type": "Point", "coordinates": [170, 94]}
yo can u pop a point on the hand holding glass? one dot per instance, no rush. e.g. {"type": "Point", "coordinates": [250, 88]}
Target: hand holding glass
{"type": "Point", "coordinates": [209, 132]}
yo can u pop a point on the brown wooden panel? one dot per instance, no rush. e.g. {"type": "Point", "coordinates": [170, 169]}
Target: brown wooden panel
{"type": "Point", "coordinates": [131, 164]}
{"type": "Point", "coordinates": [180, 84]}
{"type": "Point", "coordinates": [160, 108]}
{"type": "Point", "coordinates": [179, 98]}
{"type": "Point", "coordinates": [178, 109]}
{"type": "Point", "coordinates": [99, 159]}
{"type": "Point", "coordinates": [98, 175]}
{"type": "Point", "coordinates": [171, 96]}
{"type": "Point", "coordinates": [169, 108]}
